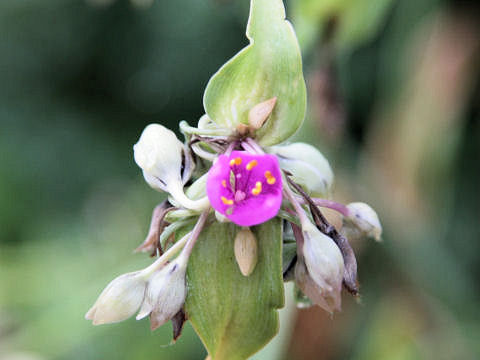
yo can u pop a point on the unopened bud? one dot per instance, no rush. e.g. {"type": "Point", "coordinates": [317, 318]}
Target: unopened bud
{"type": "Point", "coordinates": [321, 279]}
{"type": "Point", "coordinates": [309, 287]}
{"type": "Point", "coordinates": [165, 294]}
{"type": "Point", "coordinates": [158, 152]}
{"type": "Point", "coordinates": [120, 299]}
{"type": "Point", "coordinates": [159, 155]}
{"type": "Point", "coordinates": [246, 252]}
{"type": "Point", "coordinates": [362, 222]}
{"type": "Point", "coordinates": [260, 113]}
{"type": "Point", "coordinates": [309, 168]}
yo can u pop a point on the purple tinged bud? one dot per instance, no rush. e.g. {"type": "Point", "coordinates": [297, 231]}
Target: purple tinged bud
{"type": "Point", "coordinates": [165, 293]}
{"type": "Point", "coordinates": [320, 267]}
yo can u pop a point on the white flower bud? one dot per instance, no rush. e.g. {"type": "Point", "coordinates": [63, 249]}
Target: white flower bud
{"type": "Point", "coordinates": [246, 252]}
{"type": "Point", "coordinates": [321, 280]}
{"type": "Point", "coordinates": [309, 167]}
{"type": "Point", "coordinates": [158, 152]}
{"type": "Point", "coordinates": [362, 222]}
{"type": "Point", "coordinates": [120, 299]}
{"type": "Point", "coordinates": [165, 294]}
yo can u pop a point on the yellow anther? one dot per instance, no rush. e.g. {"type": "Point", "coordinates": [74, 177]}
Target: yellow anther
{"type": "Point", "coordinates": [226, 201]}
{"type": "Point", "coordinates": [236, 161]}
{"type": "Point", "coordinates": [257, 189]}
{"type": "Point", "coordinates": [224, 183]}
{"type": "Point", "coordinates": [270, 178]}
{"type": "Point", "coordinates": [252, 164]}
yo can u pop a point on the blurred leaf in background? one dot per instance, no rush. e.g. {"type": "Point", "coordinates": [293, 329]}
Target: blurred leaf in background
{"type": "Point", "coordinates": [79, 82]}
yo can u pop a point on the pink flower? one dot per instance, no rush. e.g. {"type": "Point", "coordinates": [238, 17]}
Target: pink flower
{"type": "Point", "coordinates": [245, 187]}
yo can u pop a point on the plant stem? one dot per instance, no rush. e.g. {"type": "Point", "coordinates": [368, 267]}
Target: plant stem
{"type": "Point", "coordinates": [330, 204]}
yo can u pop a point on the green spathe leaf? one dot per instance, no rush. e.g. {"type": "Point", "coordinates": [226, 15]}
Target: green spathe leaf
{"type": "Point", "coordinates": [271, 66]}
{"type": "Point", "coordinates": [234, 315]}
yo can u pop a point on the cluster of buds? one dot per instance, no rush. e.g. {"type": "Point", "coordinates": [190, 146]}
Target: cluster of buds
{"type": "Point", "coordinates": [157, 291]}
{"type": "Point", "coordinates": [214, 177]}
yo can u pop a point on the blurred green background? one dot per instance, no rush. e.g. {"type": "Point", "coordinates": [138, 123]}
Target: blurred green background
{"type": "Point", "coordinates": [393, 102]}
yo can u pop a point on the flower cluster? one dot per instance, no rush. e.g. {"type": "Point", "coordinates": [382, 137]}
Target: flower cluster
{"type": "Point", "coordinates": [235, 168]}
{"type": "Point", "coordinates": [246, 185]}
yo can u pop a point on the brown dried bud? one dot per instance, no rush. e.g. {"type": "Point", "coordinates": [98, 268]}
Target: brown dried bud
{"type": "Point", "coordinates": [260, 113]}
{"type": "Point", "coordinates": [243, 129]}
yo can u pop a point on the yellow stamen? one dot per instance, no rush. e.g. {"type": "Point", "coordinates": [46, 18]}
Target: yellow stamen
{"type": "Point", "coordinates": [257, 189]}
{"type": "Point", "coordinates": [270, 178]}
{"type": "Point", "coordinates": [252, 164]}
{"type": "Point", "coordinates": [226, 201]}
{"type": "Point", "coordinates": [224, 183]}
{"type": "Point", "coordinates": [236, 161]}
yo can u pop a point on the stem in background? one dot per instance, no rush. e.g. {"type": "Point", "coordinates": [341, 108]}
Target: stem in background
{"type": "Point", "coordinates": [246, 146]}
{"type": "Point", "coordinates": [187, 242]}
{"type": "Point", "coordinates": [254, 145]}
{"type": "Point", "coordinates": [330, 204]}
{"type": "Point", "coordinates": [203, 153]}
{"type": "Point", "coordinates": [180, 214]}
{"type": "Point", "coordinates": [170, 229]}
{"type": "Point", "coordinates": [188, 165]}
{"type": "Point", "coordinates": [187, 250]}
{"type": "Point", "coordinates": [297, 233]}
{"type": "Point", "coordinates": [286, 215]}
{"type": "Point", "coordinates": [230, 148]}
{"type": "Point", "coordinates": [296, 205]}
{"type": "Point", "coordinates": [184, 127]}
{"type": "Point", "coordinates": [176, 192]}
{"type": "Point", "coordinates": [156, 226]}
{"type": "Point", "coordinates": [167, 255]}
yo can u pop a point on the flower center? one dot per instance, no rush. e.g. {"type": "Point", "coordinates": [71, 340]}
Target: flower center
{"type": "Point", "coordinates": [240, 184]}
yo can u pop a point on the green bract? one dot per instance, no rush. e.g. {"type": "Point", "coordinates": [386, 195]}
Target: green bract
{"type": "Point", "coordinates": [235, 315]}
{"type": "Point", "coordinates": [271, 66]}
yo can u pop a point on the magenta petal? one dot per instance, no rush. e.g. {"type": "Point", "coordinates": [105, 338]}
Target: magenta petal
{"type": "Point", "coordinates": [246, 188]}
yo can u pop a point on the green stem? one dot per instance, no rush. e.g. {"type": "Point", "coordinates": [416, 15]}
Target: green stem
{"type": "Point", "coordinates": [170, 229]}
{"type": "Point", "coordinates": [185, 128]}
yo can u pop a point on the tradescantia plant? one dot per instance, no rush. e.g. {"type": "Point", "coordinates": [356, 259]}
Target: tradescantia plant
{"type": "Point", "coordinates": [243, 213]}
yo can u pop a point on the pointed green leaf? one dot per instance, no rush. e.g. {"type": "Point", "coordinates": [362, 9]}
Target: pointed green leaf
{"type": "Point", "coordinates": [234, 315]}
{"type": "Point", "coordinates": [271, 66]}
